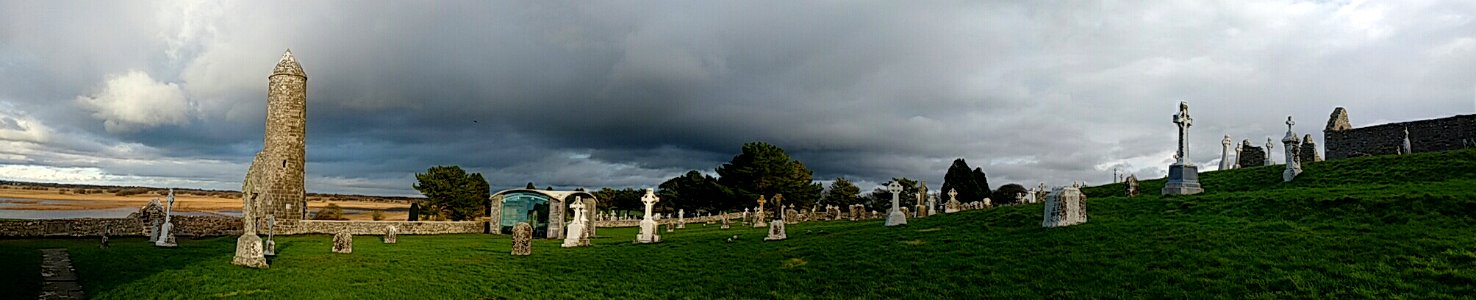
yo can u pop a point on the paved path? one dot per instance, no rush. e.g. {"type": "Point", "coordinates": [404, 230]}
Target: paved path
{"type": "Point", "coordinates": [59, 280]}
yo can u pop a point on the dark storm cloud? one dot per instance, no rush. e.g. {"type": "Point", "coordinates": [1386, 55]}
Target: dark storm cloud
{"type": "Point", "coordinates": [631, 93]}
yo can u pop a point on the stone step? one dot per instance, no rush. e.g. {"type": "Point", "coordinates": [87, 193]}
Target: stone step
{"type": "Point", "coordinates": [59, 280]}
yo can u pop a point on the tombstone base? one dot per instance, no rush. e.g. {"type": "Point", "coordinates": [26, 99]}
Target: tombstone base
{"type": "Point", "coordinates": [248, 252]}
{"type": "Point", "coordinates": [271, 248]}
{"type": "Point", "coordinates": [1182, 180]}
{"type": "Point", "coordinates": [896, 218]}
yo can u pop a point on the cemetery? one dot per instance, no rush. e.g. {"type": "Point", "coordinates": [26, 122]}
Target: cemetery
{"type": "Point", "coordinates": [1368, 227]}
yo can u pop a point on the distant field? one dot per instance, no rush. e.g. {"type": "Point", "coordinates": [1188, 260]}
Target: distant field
{"type": "Point", "coordinates": [1384, 227]}
{"type": "Point", "coordinates": [99, 198]}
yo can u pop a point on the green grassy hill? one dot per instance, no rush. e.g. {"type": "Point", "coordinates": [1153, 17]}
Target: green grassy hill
{"type": "Point", "coordinates": [1381, 227]}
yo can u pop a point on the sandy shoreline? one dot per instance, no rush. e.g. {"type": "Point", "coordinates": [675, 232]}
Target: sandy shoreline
{"type": "Point", "coordinates": [57, 199]}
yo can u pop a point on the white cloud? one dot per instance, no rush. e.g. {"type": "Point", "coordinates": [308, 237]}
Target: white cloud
{"type": "Point", "coordinates": [135, 101]}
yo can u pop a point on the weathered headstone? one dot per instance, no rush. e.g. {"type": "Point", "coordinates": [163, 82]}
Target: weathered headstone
{"type": "Point", "coordinates": [270, 247]}
{"type": "Point", "coordinates": [648, 225]}
{"type": "Point", "coordinates": [1131, 184]}
{"type": "Point", "coordinates": [1269, 146]}
{"type": "Point", "coordinates": [759, 219]}
{"type": "Point", "coordinates": [391, 234]}
{"type": "Point", "coordinates": [343, 242]}
{"type": "Point", "coordinates": [1183, 176]}
{"type": "Point", "coordinates": [1293, 167]}
{"type": "Point", "coordinates": [522, 239]}
{"type": "Point", "coordinates": [921, 209]}
{"type": "Point", "coordinates": [104, 233]}
{"type": "Point", "coordinates": [953, 205]}
{"type": "Point", "coordinates": [776, 231]}
{"type": "Point", "coordinates": [791, 215]}
{"type": "Point", "coordinates": [896, 217]}
{"type": "Point", "coordinates": [1065, 206]}
{"type": "Point", "coordinates": [1225, 153]}
{"type": "Point", "coordinates": [725, 222]}
{"type": "Point", "coordinates": [681, 219]}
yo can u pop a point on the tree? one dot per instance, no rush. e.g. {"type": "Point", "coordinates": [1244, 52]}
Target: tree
{"type": "Point", "coordinates": [531, 186]}
{"type": "Point", "coordinates": [695, 192]}
{"type": "Point", "coordinates": [881, 198]}
{"type": "Point", "coordinates": [970, 185]}
{"type": "Point", "coordinates": [764, 169]}
{"type": "Point", "coordinates": [453, 192]}
{"type": "Point", "coordinates": [628, 199]}
{"type": "Point", "coordinates": [842, 193]}
{"type": "Point", "coordinates": [1007, 194]}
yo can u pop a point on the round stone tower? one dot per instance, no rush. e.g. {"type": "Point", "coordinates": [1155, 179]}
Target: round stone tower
{"type": "Point", "coordinates": [274, 185]}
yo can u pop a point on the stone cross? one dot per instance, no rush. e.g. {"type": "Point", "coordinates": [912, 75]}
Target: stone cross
{"type": "Point", "coordinates": [1225, 153]}
{"type": "Point", "coordinates": [649, 199]}
{"type": "Point", "coordinates": [952, 195]}
{"type": "Point", "coordinates": [895, 217]}
{"type": "Point", "coordinates": [1407, 149]}
{"type": "Point", "coordinates": [1184, 121]}
{"type": "Point", "coordinates": [1293, 168]}
{"type": "Point", "coordinates": [1269, 146]}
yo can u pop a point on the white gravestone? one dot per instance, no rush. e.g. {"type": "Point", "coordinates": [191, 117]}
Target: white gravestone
{"type": "Point", "coordinates": [681, 218]}
{"type": "Point", "coordinates": [166, 231]}
{"type": "Point", "coordinates": [1065, 206]}
{"type": "Point", "coordinates": [1293, 167]}
{"type": "Point", "coordinates": [1183, 177]}
{"type": "Point", "coordinates": [1225, 153]}
{"type": "Point", "coordinates": [577, 236]}
{"type": "Point", "coordinates": [953, 204]}
{"type": "Point", "coordinates": [648, 225]}
{"type": "Point", "coordinates": [895, 217]}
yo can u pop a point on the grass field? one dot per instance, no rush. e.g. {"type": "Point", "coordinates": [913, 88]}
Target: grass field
{"type": "Point", "coordinates": [1382, 227]}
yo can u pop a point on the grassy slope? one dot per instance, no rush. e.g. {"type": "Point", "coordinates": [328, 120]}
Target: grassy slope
{"type": "Point", "coordinates": [1373, 227]}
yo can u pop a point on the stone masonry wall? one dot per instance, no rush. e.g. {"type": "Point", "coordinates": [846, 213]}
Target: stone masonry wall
{"type": "Point", "coordinates": [1251, 156]}
{"type": "Point", "coordinates": [184, 226]}
{"type": "Point", "coordinates": [377, 227]}
{"type": "Point", "coordinates": [1443, 134]}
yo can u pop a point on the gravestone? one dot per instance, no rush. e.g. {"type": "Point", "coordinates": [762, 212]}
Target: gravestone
{"type": "Point", "coordinates": [725, 222]}
{"type": "Point", "coordinates": [1065, 206]}
{"type": "Point", "coordinates": [791, 215]}
{"type": "Point", "coordinates": [758, 214]}
{"type": "Point", "coordinates": [681, 219]}
{"type": "Point", "coordinates": [1131, 184]}
{"type": "Point", "coordinates": [921, 209]}
{"type": "Point", "coordinates": [104, 233]}
{"type": "Point", "coordinates": [1269, 146]}
{"type": "Point", "coordinates": [343, 242]}
{"type": "Point", "coordinates": [522, 239]}
{"type": "Point", "coordinates": [776, 227]}
{"type": "Point", "coordinates": [1225, 153]}
{"type": "Point", "coordinates": [953, 205]}
{"type": "Point", "coordinates": [1293, 167]}
{"type": "Point", "coordinates": [896, 217]}
{"type": "Point", "coordinates": [166, 231]}
{"type": "Point", "coordinates": [577, 237]}
{"type": "Point", "coordinates": [270, 247]}
{"type": "Point", "coordinates": [1183, 176]}
{"type": "Point", "coordinates": [391, 234]}
{"type": "Point", "coordinates": [648, 224]}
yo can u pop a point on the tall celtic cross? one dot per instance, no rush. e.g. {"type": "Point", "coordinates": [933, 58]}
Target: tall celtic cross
{"type": "Point", "coordinates": [1184, 121]}
{"type": "Point", "coordinates": [896, 190]}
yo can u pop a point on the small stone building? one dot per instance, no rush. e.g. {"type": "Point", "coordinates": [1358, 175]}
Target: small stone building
{"type": "Point", "coordinates": [546, 211]}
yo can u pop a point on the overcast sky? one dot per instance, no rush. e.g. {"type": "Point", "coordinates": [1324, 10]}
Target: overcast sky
{"type": "Point", "coordinates": [629, 94]}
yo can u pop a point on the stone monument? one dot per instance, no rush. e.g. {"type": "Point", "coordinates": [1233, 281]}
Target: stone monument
{"type": "Point", "coordinates": [776, 227]}
{"type": "Point", "coordinates": [1131, 184]}
{"type": "Point", "coordinates": [577, 236]}
{"type": "Point", "coordinates": [895, 217]}
{"type": "Point", "coordinates": [648, 225]}
{"type": "Point", "coordinates": [725, 222]}
{"type": "Point", "coordinates": [166, 231]}
{"type": "Point", "coordinates": [391, 234]}
{"type": "Point", "coordinates": [270, 247]}
{"type": "Point", "coordinates": [758, 214]}
{"type": "Point", "coordinates": [343, 242]}
{"type": "Point", "coordinates": [1065, 206]}
{"type": "Point", "coordinates": [1183, 176]}
{"type": "Point", "coordinates": [681, 219]}
{"type": "Point", "coordinates": [1269, 146]}
{"type": "Point", "coordinates": [1407, 149]}
{"type": "Point", "coordinates": [1293, 167]}
{"type": "Point", "coordinates": [921, 209]}
{"type": "Point", "coordinates": [953, 204]}
{"type": "Point", "coordinates": [1225, 153]}
{"type": "Point", "coordinates": [522, 239]}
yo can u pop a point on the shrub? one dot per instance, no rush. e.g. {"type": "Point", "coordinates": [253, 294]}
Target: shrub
{"type": "Point", "coordinates": [331, 212]}
{"type": "Point", "coordinates": [377, 215]}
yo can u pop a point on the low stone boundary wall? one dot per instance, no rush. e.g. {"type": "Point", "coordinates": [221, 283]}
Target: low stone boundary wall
{"type": "Point", "coordinates": [184, 226]}
{"type": "Point", "coordinates": [377, 227]}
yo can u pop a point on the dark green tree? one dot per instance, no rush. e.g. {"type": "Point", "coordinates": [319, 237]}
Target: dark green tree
{"type": "Point", "coordinates": [695, 192]}
{"type": "Point", "coordinates": [764, 169]}
{"type": "Point", "coordinates": [881, 199]}
{"type": "Point", "coordinates": [1007, 194]}
{"type": "Point", "coordinates": [625, 200]}
{"type": "Point", "coordinates": [531, 186]}
{"type": "Point", "coordinates": [971, 185]}
{"type": "Point", "coordinates": [842, 193]}
{"type": "Point", "coordinates": [454, 193]}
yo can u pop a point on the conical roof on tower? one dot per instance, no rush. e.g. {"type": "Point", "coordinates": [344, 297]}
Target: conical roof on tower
{"type": "Point", "coordinates": [288, 66]}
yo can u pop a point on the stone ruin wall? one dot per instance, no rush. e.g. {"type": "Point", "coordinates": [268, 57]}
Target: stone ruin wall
{"type": "Point", "coordinates": [1251, 156]}
{"type": "Point", "coordinates": [1342, 141]}
{"type": "Point", "coordinates": [376, 227]}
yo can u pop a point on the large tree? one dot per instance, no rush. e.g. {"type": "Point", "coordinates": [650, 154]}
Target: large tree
{"type": "Point", "coordinates": [764, 169]}
{"type": "Point", "coordinates": [626, 200]}
{"type": "Point", "coordinates": [453, 192]}
{"type": "Point", "coordinates": [842, 193]}
{"type": "Point", "coordinates": [695, 192]}
{"type": "Point", "coordinates": [971, 185]}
